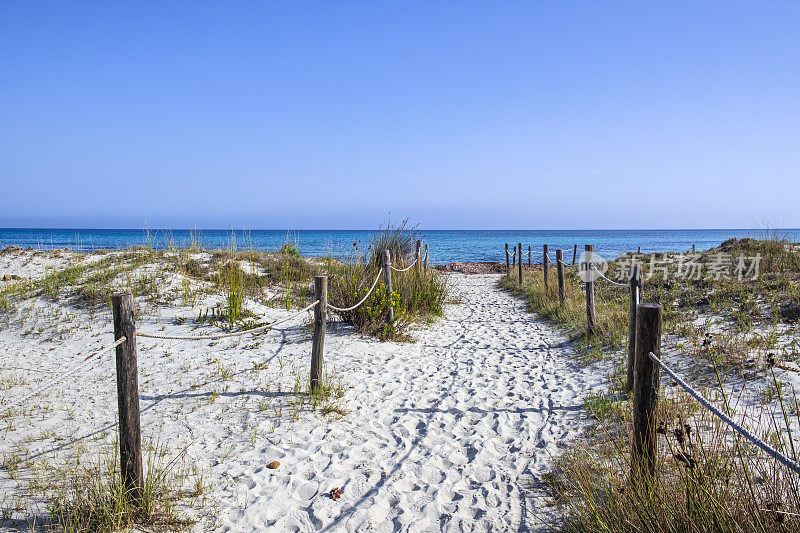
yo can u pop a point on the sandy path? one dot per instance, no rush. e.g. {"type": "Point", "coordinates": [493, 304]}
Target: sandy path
{"type": "Point", "coordinates": [451, 432]}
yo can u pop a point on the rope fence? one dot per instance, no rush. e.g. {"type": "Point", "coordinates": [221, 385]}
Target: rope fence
{"type": "Point", "coordinates": [775, 454]}
{"type": "Point", "coordinates": [587, 285]}
{"type": "Point", "coordinates": [644, 342]}
{"type": "Point", "coordinates": [226, 335]}
{"type": "Point", "coordinates": [125, 335]}
{"type": "Point", "coordinates": [88, 359]}
{"type": "Point", "coordinates": [364, 299]}
{"type": "Point", "coordinates": [602, 276]}
{"type": "Point", "coordinates": [404, 269]}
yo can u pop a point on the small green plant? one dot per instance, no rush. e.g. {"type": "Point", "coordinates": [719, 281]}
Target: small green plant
{"type": "Point", "coordinates": [188, 297]}
{"type": "Point", "coordinates": [91, 497]}
{"type": "Point", "coordinates": [232, 283]}
{"type": "Point", "coordinates": [4, 304]}
{"type": "Point", "coordinates": [290, 250]}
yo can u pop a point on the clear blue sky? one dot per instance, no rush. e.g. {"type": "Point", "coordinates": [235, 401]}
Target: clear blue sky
{"type": "Point", "coordinates": [519, 115]}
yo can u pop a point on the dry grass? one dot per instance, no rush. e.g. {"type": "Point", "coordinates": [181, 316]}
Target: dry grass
{"type": "Point", "coordinates": [611, 307]}
{"type": "Point", "coordinates": [707, 479]}
{"type": "Point", "coordinates": [88, 496]}
{"type": "Point", "coordinates": [747, 310]}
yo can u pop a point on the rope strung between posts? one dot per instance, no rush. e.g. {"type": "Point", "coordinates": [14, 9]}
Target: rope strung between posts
{"type": "Point", "coordinates": [364, 299]}
{"type": "Point", "coordinates": [786, 461]}
{"type": "Point", "coordinates": [86, 361]}
{"type": "Point", "coordinates": [226, 335]}
{"type": "Point", "coordinates": [404, 269]}
{"type": "Point", "coordinates": [591, 265]}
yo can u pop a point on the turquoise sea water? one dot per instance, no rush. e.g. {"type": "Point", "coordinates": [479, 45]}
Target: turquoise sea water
{"type": "Point", "coordinates": [445, 245]}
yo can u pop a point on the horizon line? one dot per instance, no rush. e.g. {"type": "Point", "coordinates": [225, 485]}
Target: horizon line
{"type": "Point", "coordinates": [156, 230]}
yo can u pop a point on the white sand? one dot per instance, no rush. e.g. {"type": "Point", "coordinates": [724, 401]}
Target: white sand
{"type": "Point", "coordinates": [451, 432]}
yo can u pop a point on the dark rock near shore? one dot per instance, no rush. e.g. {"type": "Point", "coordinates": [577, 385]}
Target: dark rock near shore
{"type": "Point", "coordinates": [474, 268]}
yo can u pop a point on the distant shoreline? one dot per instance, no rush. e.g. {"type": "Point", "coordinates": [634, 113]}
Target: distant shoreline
{"type": "Point", "coordinates": [446, 246]}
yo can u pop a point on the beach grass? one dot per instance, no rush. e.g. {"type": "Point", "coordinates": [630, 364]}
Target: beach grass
{"type": "Point", "coordinates": [738, 317]}
{"type": "Point", "coordinates": [227, 284]}
{"type": "Point", "coordinates": [708, 479]}
{"type": "Point", "coordinates": [86, 496]}
{"type": "Point", "coordinates": [611, 311]}
{"type": "Point", "coordinates": [417, 295]}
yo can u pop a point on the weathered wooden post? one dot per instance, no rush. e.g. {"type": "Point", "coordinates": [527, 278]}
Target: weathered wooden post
{"type": "Point", "coordinates": [638, 249]}
{"type": "Point", "coordinates": [635, 295]}
{"type": "Point", "coordinates": [508, 262]}
{"type": "Point", "coordinates": [560, 273]}
{"type": "Point", "coordinates": [427, 255]}
{"type": "Point", "coordinates": [130, 434]}
{"type": "Point", "coordinates": [529, 256]}
{"type": "Point", "coordinates": [546, 264]}
{"type": "Point", "coordinates": [418, 266]}
{"type": "Point", "coordinates": [645, 391]}
{"type": "Point", "coordinates": [320, 323]}
{"type": "Point", "coordinates": [387, 279]}
{"type": "Point", "coordinates": [574, 253]}
{"type": "Point", "coordinates": [514, 257]}
{"type": "Point", "coordinates": [588, 274]}
{"type": "Point", "coordinates": [520, 263]}
{"type": "Point", "coordinates": [693, 248]}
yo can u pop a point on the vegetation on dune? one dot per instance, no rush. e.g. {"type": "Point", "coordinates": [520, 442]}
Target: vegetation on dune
{"type": "Point", "coordinates": [756, 302]}
{"type": "Point", "coordinates": [83, 496]}
{"type": "Point", "coordinates": [235, 280]}
{"type": "Point", "coordinates": [417, 295]}
{"type": "Point", "coordinates": [708, 479]}
{"type": "Point", "coordinates": [227, 289]}
{"type": "Point", "coordinates": [610, 307]}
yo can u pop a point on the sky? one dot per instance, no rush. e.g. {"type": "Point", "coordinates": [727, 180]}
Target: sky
{"type": "Point", "coordinates": [456, 115]}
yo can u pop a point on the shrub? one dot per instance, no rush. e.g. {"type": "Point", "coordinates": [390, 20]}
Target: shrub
{"type": "Point", "coordinates": [289, 249]}
{"type": "Point", "coordinates": [416, 295]}
{"type": "Point", "coordinates": [399, 241]}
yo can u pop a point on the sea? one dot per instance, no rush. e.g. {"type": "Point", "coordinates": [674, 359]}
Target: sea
{"type": "Point", "coordinates": [446, 246]}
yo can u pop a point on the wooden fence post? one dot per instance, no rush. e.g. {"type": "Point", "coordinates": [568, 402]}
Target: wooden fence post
{"type": "Point", "coordinates": [418, 266]}
{"type": "Point", "coordinates": [320, 322]}
{"type": "Point", "coordinates": [646, 380]}
{"type": "Point", "coordinates": [639, 250]}
{"type": "Point", "coordinates": [130, 434]}
{"type": "Point", "coordinates": [508, 262]}
{"type": "Point", "coordinates": [514, 257]}
{"type": "Point", "coordinates": [387, 279]}
{"type": "Point", "coordinates": [546, 263]}
{"type": "Point", "coordinates": [529, 256]}
{"type": "Point", "coordinates": [574, 253]}
{"type": "Point", "coordinates": [693, 248]}
{"type": "Point", "coordinates": [520, 263]}
{"type": "Point", "coordinates": [635, 296]}
{"type": "Point", "coordinates": [560, 273]}
{"type": "Point", "coordinates": [427, 255]}
{"type": "Point", "coordinates": [589, 289]}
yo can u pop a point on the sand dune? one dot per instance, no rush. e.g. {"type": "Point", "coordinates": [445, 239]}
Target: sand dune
{"type": "Point", "coordinates": [451, 432]}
